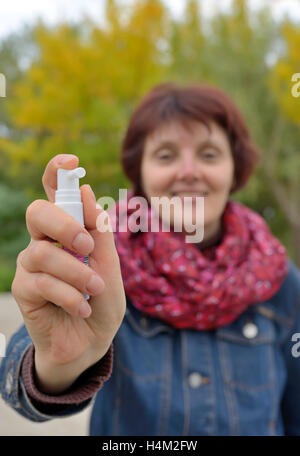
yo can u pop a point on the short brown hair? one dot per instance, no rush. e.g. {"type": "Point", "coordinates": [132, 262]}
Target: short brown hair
{"type": "Point", "coordinates": [200, 102]}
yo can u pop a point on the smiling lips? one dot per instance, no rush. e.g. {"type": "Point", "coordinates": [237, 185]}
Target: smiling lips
{"type": "Point", "coordinates": [190, 194]}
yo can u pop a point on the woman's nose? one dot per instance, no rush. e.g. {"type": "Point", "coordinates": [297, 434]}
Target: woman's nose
{"type": "Point", "coordinates": [188, 169]}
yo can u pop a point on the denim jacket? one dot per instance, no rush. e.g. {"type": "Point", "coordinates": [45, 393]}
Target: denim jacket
{"type": "Point", "coordinates": [240, 379]}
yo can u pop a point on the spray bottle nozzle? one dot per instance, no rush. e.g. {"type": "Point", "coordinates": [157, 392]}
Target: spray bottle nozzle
{"type": "Point", "coordinates": [68, 179]}
{"type": "Point", "coordinates": [77, 173]}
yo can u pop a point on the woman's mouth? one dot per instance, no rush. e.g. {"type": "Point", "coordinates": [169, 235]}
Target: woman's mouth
{"type": "Point", "coordinates": [190, 194]}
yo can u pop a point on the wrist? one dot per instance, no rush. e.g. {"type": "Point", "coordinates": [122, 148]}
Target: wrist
{"type": "Point", "coordinates": [54, 379]}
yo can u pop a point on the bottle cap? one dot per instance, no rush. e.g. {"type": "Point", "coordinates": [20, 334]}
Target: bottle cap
{"type": "Point", "coordinates": [68, 195]}
{"type": "Point", "coordinates": [68, 179]}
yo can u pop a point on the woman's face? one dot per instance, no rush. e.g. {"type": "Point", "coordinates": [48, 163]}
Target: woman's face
{"type": "Point", "coordinates": [190, 162]}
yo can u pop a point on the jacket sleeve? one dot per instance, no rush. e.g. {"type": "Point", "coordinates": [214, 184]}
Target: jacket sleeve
{"type": "Point", "coordinates": [18, 387]}
{"type": "Point", "coordinates": [290, 405]}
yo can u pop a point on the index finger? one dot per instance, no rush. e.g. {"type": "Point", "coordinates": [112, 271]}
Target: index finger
{"type": "Point", "coordinates": [49, 179]}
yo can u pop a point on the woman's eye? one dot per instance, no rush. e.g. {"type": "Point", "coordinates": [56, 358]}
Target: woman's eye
{"type": "Point", "coordinates": [209, 155]}
{"type": "Point", "coordinates": [164, 156]}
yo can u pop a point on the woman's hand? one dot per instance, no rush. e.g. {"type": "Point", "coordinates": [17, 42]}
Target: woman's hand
{"type": "Point", "coordinates": [71, 335]}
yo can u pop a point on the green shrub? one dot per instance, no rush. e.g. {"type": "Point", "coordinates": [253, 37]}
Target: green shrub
{"type": "Point", "coordinates": [14, 236]}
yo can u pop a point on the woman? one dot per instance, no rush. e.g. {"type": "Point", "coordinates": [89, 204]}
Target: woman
{"type": "Point", "coordinates": [206, 344]}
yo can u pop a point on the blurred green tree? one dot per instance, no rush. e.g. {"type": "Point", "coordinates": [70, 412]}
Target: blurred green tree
{"type": "Point", "coordinates": [14, 235]}
{"type": "Point", "coordinates": [77, 94]}
{"type": "Point", "coordinates": [72, 89]}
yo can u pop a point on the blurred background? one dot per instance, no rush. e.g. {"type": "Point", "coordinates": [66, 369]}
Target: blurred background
{"type": "Point", "coordinates": [75, 71]}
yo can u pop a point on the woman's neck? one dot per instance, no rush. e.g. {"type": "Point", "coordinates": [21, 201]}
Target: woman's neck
{"type": "Point", "coordinates": [212, 239]}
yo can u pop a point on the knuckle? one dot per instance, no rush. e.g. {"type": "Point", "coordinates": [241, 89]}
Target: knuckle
{"type": "Point", "coordinates": [38, 252]}
{"type": "Point", "coordinates": [33, 208]}
{"type": "Point", "coordinates": [29, 210]}
{"type": "Point", "coordinates": [47, 171]}
{"type": "Point", "coordinates": [15, 287]}
{"type": "Point", "coordinates": [20, 257]}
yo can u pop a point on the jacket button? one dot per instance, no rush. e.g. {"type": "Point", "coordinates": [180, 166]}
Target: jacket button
{"type": "Point", "coordinates": [195, 380]}
{"type": "Point", "coordinates": [250, 330]}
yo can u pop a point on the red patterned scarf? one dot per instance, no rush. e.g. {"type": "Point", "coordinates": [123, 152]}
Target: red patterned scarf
{"type": "Point", "coordinates": [175, 281]}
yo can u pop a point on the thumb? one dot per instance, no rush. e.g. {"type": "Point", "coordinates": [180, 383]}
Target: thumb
{"type": "Point", "coordinates": [97, 222]}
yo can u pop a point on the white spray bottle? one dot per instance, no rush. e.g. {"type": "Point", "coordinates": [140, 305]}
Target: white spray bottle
{"type": "Point", "coordinates": [68, 198]}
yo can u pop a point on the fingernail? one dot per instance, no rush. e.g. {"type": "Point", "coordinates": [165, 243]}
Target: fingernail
{"type": "Point", "coordinates": [83, 243]}
{"type": "Point", "coordinates": [94, 285]}
{"type": "Point", "coordinates": [65, 159]}
{"type": "Point", "coordinates": [84, 310]}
